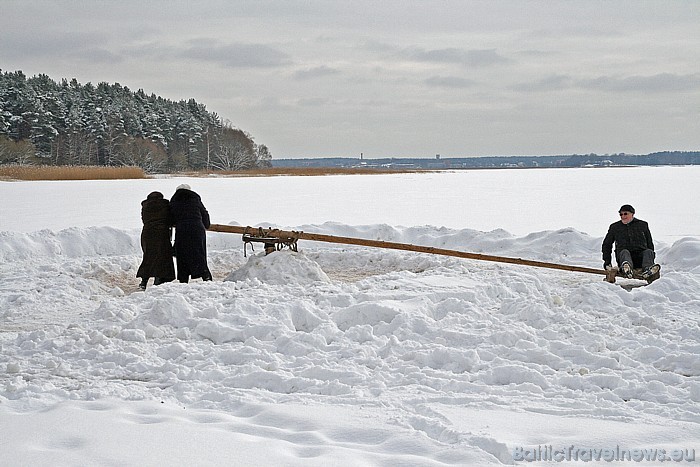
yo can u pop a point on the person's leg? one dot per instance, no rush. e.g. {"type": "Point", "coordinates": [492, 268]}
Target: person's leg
{"type": "Point", "coordinates": [144, 283]}
{"type": "Point", "coordinates": [624, 261]}
{"type": "Point", "coordinates": [183, 272]}
{"type": "Point", "coordinates": [624, 256]}
{"type": "Point", "coordinates": [650, 268]}
{"type": "Point", "coordinates": [648, 258]}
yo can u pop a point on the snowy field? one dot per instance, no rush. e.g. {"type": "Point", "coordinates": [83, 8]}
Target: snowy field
{"type": "Point", "coordinates": [341, 355]}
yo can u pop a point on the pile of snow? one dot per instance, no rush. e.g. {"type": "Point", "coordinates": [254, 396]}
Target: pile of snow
{"type": "Point", "coordinates": [284, 267]}
{"type": "Point", "coordinates": [387, 365]}
{"type": "Point", "coordinates": [342, 355]}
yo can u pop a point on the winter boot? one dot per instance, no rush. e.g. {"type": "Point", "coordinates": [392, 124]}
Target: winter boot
{"type": "Point", "coordinates": [651, 271]}
{"type": "Point", "coordinates": [144, 283]}
{"type": "Point", "coordinates": [626, 270]}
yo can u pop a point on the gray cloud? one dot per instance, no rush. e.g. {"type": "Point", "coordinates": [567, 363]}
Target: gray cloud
{"type": "Point", "coordinates": [97, 55]}
{"type": "Point", "coordinates": [662, 82]}
{"type": "Point", "coordinates": [659, 83]}
{"type": "Point", "coordinates": [550, 83]}
{"type": "Point", "coordinates": [315, 72]}
{"type": "Point", "coordinates": [582, 71]}
{"type": "Point", "coordinates": [313, 102]}
{"type": "Point", "coordinates": [376, 46]}
{"type": "Point", "coordinates": [449, 55]}
{"type": "Point", "coordinates": [476, 58]}
{"type": "Point", "coordinates": [85, 45]}
{"type": "Point", "coordinates": [235, 55]}
{"type": "Point", "coordinates": [449, 82]}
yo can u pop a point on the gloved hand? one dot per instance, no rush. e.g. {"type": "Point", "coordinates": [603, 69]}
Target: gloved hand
{"type": "Point", "coordinates": [607, 265]}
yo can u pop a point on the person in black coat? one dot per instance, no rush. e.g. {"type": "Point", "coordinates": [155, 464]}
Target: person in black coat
{"type": "Point", "coordinates": [191, 221]}
{"type": "Point", "coordinates": [155, 241]}
{"type": "Point", "coordinates": [634, 247]}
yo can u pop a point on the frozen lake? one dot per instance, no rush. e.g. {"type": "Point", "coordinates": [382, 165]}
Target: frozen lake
{"type": "Point", "coordinates": [519, 201]}
{"type": "Point", "coordinates": [338, 355]}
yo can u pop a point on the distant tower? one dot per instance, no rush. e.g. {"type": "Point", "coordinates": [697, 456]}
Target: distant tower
{"type": "Point", "coordinates": [361, 155]}
{"type": "Point", "coordinates": [437, 156]}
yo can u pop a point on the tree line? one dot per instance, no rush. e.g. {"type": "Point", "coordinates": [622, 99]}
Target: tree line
{"type": "Point", "coordinates": [68, 123]}
{"type": "Point", "coordinates": [490, 162]}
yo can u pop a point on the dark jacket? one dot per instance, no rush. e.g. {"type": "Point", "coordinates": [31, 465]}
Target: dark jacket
{"type": "Point", "coordinates": [634, 236]}
{"type": "Point", "coordinates": [155, 238]}
{"type": "Point", "coordinates": [191, 221]}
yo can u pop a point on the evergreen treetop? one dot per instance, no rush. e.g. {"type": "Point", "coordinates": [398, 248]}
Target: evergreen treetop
{"type": "Point", "coordinates": [68, 123]}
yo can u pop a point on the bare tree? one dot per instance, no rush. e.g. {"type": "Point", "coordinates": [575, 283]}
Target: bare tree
{"type": "Point", "coordinates": [144, 153]}
{"type": "Point", "coordinates": [234, 150]}
{"type": "Point", "coordinates": [264, 156]}
{"type": "Point", "coordinates": [16, 152]}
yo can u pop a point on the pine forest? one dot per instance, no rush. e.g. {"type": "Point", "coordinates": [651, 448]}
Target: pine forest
{"type": "Point", "coordinates": [43, 122]}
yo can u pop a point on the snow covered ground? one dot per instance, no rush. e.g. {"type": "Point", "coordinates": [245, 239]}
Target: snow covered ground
{"type": "Point", "coordinates": [341, 355]}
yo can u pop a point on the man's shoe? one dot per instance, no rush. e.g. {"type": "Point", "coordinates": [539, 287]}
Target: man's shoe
{"type": "Point", "coordinates": [651, 271]}
{"type": "Point", "coordinates": [626, 270]}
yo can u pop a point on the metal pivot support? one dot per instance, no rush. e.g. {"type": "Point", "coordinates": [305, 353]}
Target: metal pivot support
{"type": "Point", "coordinates": [270, 238]}
{"type": "Point", "coordinates": [610, 274]}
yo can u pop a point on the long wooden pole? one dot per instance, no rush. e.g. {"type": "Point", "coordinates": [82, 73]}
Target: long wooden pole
{"type": "Point", "coordinates": [276, 233]}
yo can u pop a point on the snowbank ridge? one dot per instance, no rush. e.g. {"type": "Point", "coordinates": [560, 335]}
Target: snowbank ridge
{"type": "Point", "coordinates": [410, 338]}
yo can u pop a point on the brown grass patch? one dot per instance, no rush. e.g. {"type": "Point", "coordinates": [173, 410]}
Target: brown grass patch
{"type": "Point", "coordinates": [69, 172]}
{"type": "Point", "coordinates": [74, 172]}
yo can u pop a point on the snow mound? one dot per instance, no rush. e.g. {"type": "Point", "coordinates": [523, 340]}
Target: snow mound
{"type": "Point", "coordinates": [280, 268]}
{"type": "Point", "coordinates": [684, 254]}
{"type": "Point", "coordinates": [73, 242]}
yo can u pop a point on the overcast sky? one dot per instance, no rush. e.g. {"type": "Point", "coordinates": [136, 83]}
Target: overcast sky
{"type": "Point", "coordinates": [390, 78]}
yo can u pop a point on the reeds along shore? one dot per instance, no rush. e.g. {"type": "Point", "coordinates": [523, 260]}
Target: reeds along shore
{"type": "Point", "coordinates": [69, 172]}
{"type": "Point", "coordinates": [45, 172]}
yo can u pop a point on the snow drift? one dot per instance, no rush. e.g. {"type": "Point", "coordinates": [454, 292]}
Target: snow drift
{"type": "Point", "coordinates": [338, 355]}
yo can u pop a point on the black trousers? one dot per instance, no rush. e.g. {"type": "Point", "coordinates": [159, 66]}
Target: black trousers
{"type": "Point", "coordinates": [638, 259]}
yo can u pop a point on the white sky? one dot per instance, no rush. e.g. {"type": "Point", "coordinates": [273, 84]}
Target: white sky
{"type": "Point", "coordinates": [399, 78]}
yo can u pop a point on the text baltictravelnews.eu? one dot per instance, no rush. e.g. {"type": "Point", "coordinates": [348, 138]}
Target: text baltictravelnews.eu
{"type": "Point", "coordinates": [586, 454]}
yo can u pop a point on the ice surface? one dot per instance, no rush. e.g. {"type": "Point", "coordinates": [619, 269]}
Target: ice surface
{"type": "Point", "coordinates": [337, 355]}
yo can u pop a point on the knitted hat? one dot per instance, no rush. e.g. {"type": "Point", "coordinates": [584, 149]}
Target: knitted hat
{"type": "Point", "coordinates": [184, 186]}
{"type": "Point", "coordinates": [626, 208]}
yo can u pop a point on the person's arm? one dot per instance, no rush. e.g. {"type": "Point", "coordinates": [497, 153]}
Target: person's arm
{"type": "Point", "coordinates": [205, 216]}
{"type": "Point", "coordinates": [650, 242]}
{"type": "Point", "coordinates": [607, 247]}
{"type": "Point", "coordinates": [171, 215]}
{"type": "Point", "coordinates": [169, 219]}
